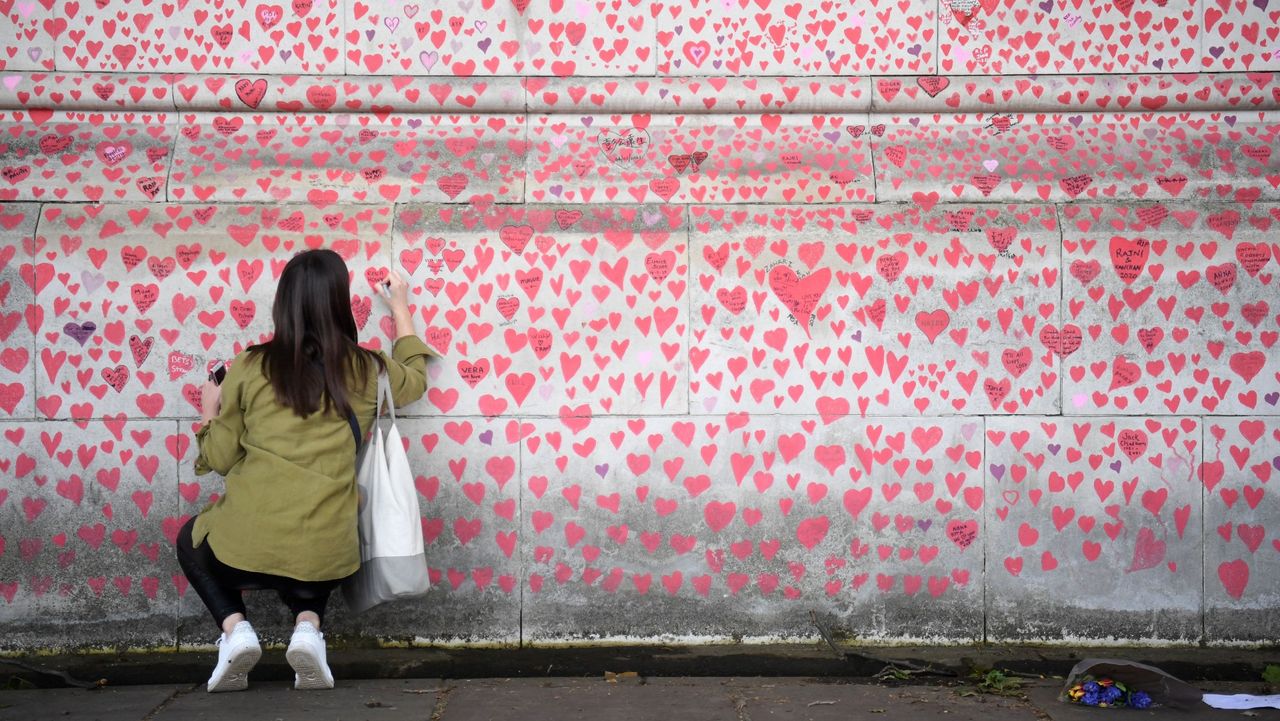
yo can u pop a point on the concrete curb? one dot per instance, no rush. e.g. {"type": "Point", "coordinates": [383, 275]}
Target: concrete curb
{"type": "Point", "coordinates": [135, 668]}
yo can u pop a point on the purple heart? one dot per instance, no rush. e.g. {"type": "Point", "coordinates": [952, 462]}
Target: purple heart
{"type": "Point", "coordinates": [1216, 51]}
{"type": "Point", "coordinates": [1054, 448]}
{"type": "Point", "coordinates": [1076, 120]}
{"type": "Point", "coordinates": [368, 34]}
{"type": "Point", "coordinates": [1159, 63]}
{"type": "Point", "coordinates": [914, 50]}
{"type": "Point", "coordinates": [484, 44]}
{"type": "Point", "coordinates": [80, 331]}
{"type": "Point", "coordinates": [997, 471]}
{"type": "Point", "coordinates": [286, 54]}
{"type": "Point", "coordinates": [556, 190]}
{"type": "Point", "coordinates": [588, 121]}
{"type": "Point", "coordinates": [856, 335]}
{"type": "Point", "coordinates": [1047, 5]}
{"type": "Point", "coordinates": [415, 122]}
{"type": "Point", "coordinates": [405, 167]}
{"type": "Point", "coordinates": [1231, 120]}
{"type": "Point", "coordinates": [915, 122]}
{"type": "Point", "coordinates": [602, 469]}
{"type": "Point", "coordinates": [1261, 4]}
{"type": "Point", "coordinates": [833, 137]}
{"type": "Point", "coordinates": [1115, 466]}
{"type": "Point", "coordinates": [1276, 462]}
{"type": "Point", "coordinates": [663, 93]}
{"type": "Point", "coordinates": [716, 64]}
{"type": "Point", "coordinates": [1272, 398]}
{"type": "Point", "coordinates": [486, 438]}
{"type": "Point", "coordinates": [924, 525]}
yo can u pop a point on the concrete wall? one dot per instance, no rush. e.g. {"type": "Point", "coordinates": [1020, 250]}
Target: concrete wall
{"type": "Point", "coordinates": [944, 321]}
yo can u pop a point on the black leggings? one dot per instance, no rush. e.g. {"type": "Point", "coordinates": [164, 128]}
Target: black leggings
{"type": "Point", "coordinates": [219, 585]}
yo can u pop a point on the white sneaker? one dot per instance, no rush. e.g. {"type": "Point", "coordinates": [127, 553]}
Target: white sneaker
{"type": "Point", "coordinates": [306, 655]}
{"type": "Point", "coordinates": [237, 655]}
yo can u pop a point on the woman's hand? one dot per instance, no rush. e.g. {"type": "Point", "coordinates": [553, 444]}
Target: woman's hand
{"type": "Point", "coordinates": [396, 296]}
{"type": "Point", "coordinates": [396, 292]}
{"type": "Point", "coordinates": [210, 401]}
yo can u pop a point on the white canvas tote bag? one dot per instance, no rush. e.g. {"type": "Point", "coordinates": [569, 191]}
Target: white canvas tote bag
{"type": "Point", "coordinates": [393, 563]}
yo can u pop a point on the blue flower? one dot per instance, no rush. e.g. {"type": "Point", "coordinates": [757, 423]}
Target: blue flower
{"type": "Point", "coordinates": [1091, 698]}
{"type": "Point", "coordinates": [1092, 687]}
{"type": "Point", "coordinates": [1139, 700]}
{"type": "Point", "coordinates": [1112, 694]}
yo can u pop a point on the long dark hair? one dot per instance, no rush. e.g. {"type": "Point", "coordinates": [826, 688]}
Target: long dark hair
{"type": "Point", "coordinates": [315, 345]}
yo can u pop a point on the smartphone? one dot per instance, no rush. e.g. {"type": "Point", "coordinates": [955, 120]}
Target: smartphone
{"type": "Point", "coordinates": [218, 373]}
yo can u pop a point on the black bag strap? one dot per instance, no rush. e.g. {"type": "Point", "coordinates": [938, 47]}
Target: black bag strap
{"type": "Point", "coordinates": [355, 428]}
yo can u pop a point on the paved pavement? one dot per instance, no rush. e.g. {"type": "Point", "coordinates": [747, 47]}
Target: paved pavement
{"type": "Point", "coordinates": [581, 699]}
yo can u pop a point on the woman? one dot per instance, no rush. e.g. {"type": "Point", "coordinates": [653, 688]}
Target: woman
{"type": "Point", "coordinates": [278, 428]}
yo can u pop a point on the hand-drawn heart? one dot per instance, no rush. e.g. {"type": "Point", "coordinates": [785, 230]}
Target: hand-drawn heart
{"type": "Point", "coordinates": [800, 296]}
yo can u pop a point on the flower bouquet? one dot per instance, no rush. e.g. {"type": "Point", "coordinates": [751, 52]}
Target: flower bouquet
{"type": "Point", "coordinates": [1106, 692]}
{"type": "Point", "coordinates": [1120, 683]}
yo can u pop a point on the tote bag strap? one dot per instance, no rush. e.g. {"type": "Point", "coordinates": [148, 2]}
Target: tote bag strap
{"type": "Point", "coordinates": [384, 395]}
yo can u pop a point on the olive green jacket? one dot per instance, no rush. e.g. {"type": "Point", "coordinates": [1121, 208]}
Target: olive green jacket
{"type": "Point", "coordinates": [289, 508]}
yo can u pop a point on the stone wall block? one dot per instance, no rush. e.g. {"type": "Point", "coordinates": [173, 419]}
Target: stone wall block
{"type": "Point", "coordinates": [1063, 39]}
{"type": "Point", "coordinates": [551, 310]}
{"type": "Point", "coordinates": [57, 156]}
{"type": "Point", "coordinates": [354, 158]}
{"type": "Point", "coordinates": [495, 39]}
{"type": "Point", "coordinates": [18, 313]}
{"type": "Point", "coordinates": [142, 300]}
{"type": "Point", "coordinates": [287, 37]}
{"type": "Point", "coordinates": [807, 38]}
{"type": "Point", "coordinates": [710, 527]}
{"type": "Point", "coordinates": [700, 159]}
{"type": "Point", "coordinates": [337, 94]}
{"type": "Point", "coordinates": [117, 92]}
{"type": "Point", "coordinates": [26, 46]}
{"type": "Point", "coordinates": [875, 310]}
{"type": "Point", "coordinates": [1094, 530]}
{"type": "Point", "coordinates": [87, 517]}
{"type": "Point", "coordinates": [1133, 157]}
{"type": "Point", "coordinates": [1171, 308]}
{"type": "Point", "coordinates": [698, 95]}
{"type": "Point", "coordinates": [1242, 543]}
